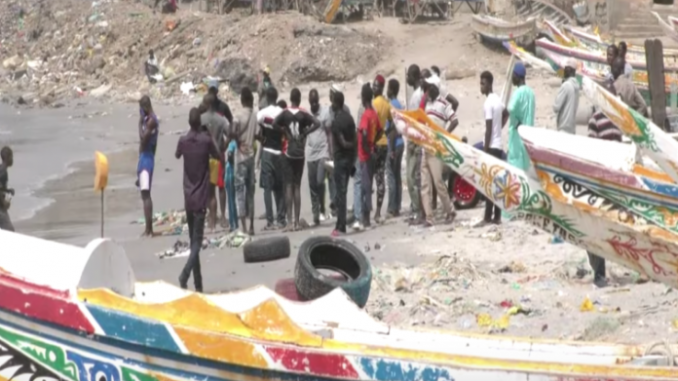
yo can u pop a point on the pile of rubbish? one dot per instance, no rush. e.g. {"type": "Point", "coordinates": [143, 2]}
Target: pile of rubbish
{"type": "Point", "coordinates": [61, 49]}
{"type": "Point", "coordinates": [173, 220]}
{"type": "Point", "coordinates": [182, 248]}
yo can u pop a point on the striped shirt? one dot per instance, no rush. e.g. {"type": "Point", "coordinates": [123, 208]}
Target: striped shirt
{"type": "Point", "coordinates": [601, 127]}
{"type": "Point", "coordinates": [440, 111]}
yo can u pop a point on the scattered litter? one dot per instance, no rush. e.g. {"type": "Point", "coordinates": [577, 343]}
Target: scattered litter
{"type": "Point", "coordinates": [182, 248]}
{"type": "Point", "coordinates": [586, 305]}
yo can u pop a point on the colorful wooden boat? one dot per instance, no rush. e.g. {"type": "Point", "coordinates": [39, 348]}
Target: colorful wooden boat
{"type": "Point", "coordinates": [595, 42]}
{"type": "Point", "coordinates": [608, 232]}
{"type": "Point", "coordinates": [637, 61]}
{"type": "Point", "coordinates": [91, 321]}
{"type": "Point", "coordinates": [667, 28]}
{"type": "Point", "coordinates": [673, 21]}
{"type": "Point", "coordinates": [495, 30]}
{"type": "Point", "coordinates": [561, 159]}
{"type": "Point", "coordinates": [652, 140]}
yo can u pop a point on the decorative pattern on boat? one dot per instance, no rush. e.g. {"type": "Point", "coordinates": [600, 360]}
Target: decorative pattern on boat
{"type": "Point", "coordinates": [651, 139]}
{"type": "Point", "coordinates": [596, 230]}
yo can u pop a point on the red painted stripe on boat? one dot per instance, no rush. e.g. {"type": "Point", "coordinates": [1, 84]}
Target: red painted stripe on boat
{"type": "Point", "coordinates": [313, 363]}
{"type": "Point", "coordinates": [591, 170]}
{"type": "Point", "coordinates": [20, 283]}
{"type": "Point", "coordinates": [42, 303]}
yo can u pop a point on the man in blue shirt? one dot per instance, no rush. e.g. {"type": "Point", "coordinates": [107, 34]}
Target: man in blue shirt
{"type": "Point", "coordinates": [396, 148]}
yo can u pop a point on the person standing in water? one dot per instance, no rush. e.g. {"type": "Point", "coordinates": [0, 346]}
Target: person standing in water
{"type": "Point", "coordinates": [148, 142]}
{"type": "Point", "coordinates": [7, 161]}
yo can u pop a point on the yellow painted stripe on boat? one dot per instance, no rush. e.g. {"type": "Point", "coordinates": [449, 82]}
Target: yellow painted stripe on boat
{"type": "Point", "coordinates": [222, 348]}
{"type": "Point", "coordinates": [642, 171]}
{"type": "Point", "coordinates": [663, 373]}
{"type": "Point", "coordinates": [214, 343]}
{"type": "Point", "coordinates": [268, 321]}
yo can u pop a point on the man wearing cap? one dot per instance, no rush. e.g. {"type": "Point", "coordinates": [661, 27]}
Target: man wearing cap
{"type": "Point", "coordinates": [567, 100]}
{"type": "Point", "coordinates": [521, 113]}
{"type": "Point", "coordinates": [383, 108]}
{"type": "Point", "coordinates": [439, 111]}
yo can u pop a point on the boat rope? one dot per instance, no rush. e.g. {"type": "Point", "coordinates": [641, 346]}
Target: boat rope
{"type": "Point", "coordinates": [669, 352]}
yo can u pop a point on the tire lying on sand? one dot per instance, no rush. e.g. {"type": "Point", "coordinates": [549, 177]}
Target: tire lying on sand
{"type": "Point", "coordinates": [339, 256]}
{"type": "Point", "coordinates": [267, 249]}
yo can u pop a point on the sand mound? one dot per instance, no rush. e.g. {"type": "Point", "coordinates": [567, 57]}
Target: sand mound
{"type": "Point", "coordinates": [66, 48]}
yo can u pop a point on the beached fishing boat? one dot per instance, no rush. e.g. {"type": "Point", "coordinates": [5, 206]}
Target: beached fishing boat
{"type": "Point", "coordinates": [91, 321]}
{"type": "Point", "coordinates": [544, 10]}
{"type": "Point", "coordinates": [595, 42]}
{"type": "Point", "coordinates": [668, 29]}
{"type": "Point", "coordinates": [673, 21]}
{"type": "Point", "coordinates": [637, 61]}
{"type": "Point", "coordinates": [605, 231]}
{"type": "Point", "coordinates": [495, 30]}
{"type": "Point", "coordinates": [596, 170]}
{"type": "Point", "coordinates": [651, 139]}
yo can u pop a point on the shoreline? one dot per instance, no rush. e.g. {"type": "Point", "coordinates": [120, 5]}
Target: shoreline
{"type": "Point", "coordinates": [74, 207]}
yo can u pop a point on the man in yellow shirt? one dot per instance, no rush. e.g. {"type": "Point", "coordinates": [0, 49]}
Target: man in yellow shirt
{"type": "Point", "coordinates": [383, 108]}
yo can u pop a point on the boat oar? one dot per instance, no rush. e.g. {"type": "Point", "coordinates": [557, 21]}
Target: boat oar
{"type": "Point", "coordinates": [101, 180]}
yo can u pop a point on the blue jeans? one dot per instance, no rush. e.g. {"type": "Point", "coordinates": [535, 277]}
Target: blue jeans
{"type": "Point", "coordinates": [357, 193]}
{"type": "Point", "coordinates": [230, 192]}
{"type": "Point", "coordinates": [394, 179]}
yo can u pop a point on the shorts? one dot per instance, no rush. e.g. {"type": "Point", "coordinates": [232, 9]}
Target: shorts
{"type": "Point", "coordinates": [293, 170]}
{"type": "Point", "coordinates": [216, 173]}
{"type": "Point", "coordinates": [145, 178]}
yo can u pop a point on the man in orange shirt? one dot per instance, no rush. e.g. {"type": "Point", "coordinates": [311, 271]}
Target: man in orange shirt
{"type": "Point", "coordinates": [383, 108]}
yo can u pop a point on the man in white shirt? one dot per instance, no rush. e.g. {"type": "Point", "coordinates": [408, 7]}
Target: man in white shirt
{"type": "Point", "coordinates": [440, 111]}
{"type": "Point", "coordinates": [269, 161]}
{"type": "Point", "coordinates": [495, 117]}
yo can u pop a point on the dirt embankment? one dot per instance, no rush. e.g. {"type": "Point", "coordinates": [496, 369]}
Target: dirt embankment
{"type": "Point", "coordinates": [60, 49]}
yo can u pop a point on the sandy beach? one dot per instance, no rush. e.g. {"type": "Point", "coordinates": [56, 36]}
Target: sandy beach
{"type": "Point", "coordinates": [489, 268]}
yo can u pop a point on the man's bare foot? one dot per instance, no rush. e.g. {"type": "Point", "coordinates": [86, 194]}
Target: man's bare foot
{"type": "Point", "coordinates": [223, 222]}
{"type": "Point", "coordinates": [377, 218]}
{"type": "Point", "coordinates": [297, 227]}
{"type": "Point", "coordinates": [148, 234]}
{"type": "Point", "coordinates": [288, 228]}
{"type": "Point", "coordinates": [251, 232]}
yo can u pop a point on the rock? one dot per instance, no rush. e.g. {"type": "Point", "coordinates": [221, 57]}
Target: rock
{"type": "Point", "coordinates": [239, 73]}
{"type": "Point", "coordinates": [96, 64]}
{"type": "Point", "coordinates": [100, 91]}
{"type": "Point", "coordinates": [12, 63]}
{"type": "Point", "coordinates": [455, 74]}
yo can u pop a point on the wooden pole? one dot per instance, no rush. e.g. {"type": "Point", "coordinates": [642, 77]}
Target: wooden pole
{"type": "Point", "coordinates": [654, 56]}
{"type": "Point", "coordinates": [102, 214]}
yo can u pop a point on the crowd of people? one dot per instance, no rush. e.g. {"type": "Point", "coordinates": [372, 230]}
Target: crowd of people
{"type": "Point", "coordinates": [223, 152]}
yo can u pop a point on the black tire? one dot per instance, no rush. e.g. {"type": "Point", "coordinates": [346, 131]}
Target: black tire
{"type": "Point", "coordinates": [318, 253]}
{"type": "Point", "coordinates": [267, 249]}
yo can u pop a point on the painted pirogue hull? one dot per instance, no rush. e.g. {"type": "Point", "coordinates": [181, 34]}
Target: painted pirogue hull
{"type": "Point", "coordinates": [599, 229]}
{"type": "Point", "coordinates": [572, 36]}
{"type": "Point", "coordinates": [497, 30]}
{"type": "Point", "coordinates": [653, 199]}
{"type": "Point", "coordinates": [599, 57]}
{"type": "Point", "coordinates": [69, 325]}
{"type": "Point", "coordinates": [651, 139]}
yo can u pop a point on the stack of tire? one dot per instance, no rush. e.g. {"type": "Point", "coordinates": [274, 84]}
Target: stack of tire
{"type": "Point", "coordinates": [350, 269]}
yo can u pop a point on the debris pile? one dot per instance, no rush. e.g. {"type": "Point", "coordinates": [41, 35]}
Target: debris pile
{"type": "Point", "coordinates": [73, 48]}
{"type": "Point", "coordinates": [181, 248]}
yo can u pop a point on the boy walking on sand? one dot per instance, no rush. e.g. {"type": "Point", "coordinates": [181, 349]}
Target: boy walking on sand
{"type": "Point", "coordinates": [7, 161]}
